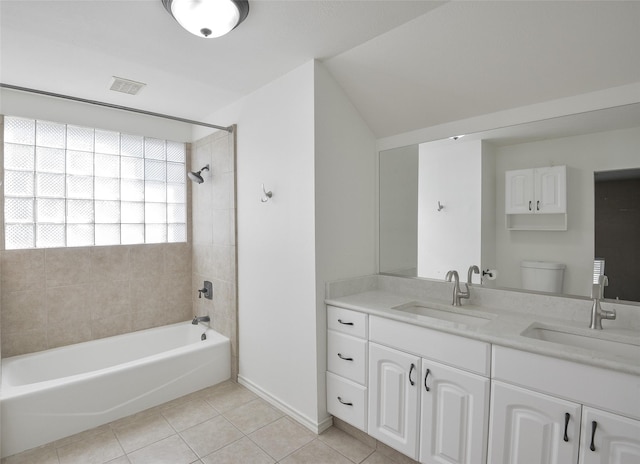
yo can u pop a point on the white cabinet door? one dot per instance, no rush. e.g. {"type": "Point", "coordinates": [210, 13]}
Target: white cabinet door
{"type": "Point", "coordinates": [531, 428]}
{"type": "Point", "coordinates": [394, 382]}
{"type": "Point", "coordinates": [612, 440]}
{"type": "Point", "coordinates": [519, 192]}
{"type": "Point", "coordinates": [541, 190]}
{"type": "Point", "coordinates": [550, 190]}
{"type": "Point", "coordinates": [454, 415]}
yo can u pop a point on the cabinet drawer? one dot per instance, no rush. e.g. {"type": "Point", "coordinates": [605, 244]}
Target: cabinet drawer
{"type": "Point", "coordinates": [593, 386]}
{"type": "Point", "coordinates": [347, 401]}
{"type": "Point", "coordinates": [456, 351]}
{"type": "Point", "coordinates": [347, 356]}
{"type": "Point", "coordinates": [347, 321]}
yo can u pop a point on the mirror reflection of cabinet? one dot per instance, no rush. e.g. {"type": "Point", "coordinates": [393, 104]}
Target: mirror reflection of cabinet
{"type": "Point", "coordinates": [541, 192]}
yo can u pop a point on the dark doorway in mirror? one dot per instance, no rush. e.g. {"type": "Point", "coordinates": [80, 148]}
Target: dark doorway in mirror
{"type": "Point", "coordinates": [617, 231]}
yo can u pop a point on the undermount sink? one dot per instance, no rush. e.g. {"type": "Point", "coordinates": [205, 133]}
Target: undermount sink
{"type": "Point", "coordinates": [629, 349]}
{"type": "Point", "coordinates": [454, 316]}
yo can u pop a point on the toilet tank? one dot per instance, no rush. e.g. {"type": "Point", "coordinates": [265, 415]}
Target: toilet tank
{"type": "Point", "coordinates": [542, 276]}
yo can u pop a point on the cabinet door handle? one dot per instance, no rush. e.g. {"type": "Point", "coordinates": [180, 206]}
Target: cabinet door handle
{"type": "Point", "coordinates": [345, 402]}
{"type": "Point", "coordinates": [529, 205]}
{"type": "Point", "coordinates": [567, 416]}
{"type": "Point", "coordinates": [413, 366]}
{"type": "Point", "coordinates": [344, 323]}
{"type": "Point", "coordinates": [594, 424]}
{"type": "Point", "coordinates": [344, 357]}
{"type": "Point", "coordinates": [425, 380]}
{"type": "Point", "coordinates": [538, 205]}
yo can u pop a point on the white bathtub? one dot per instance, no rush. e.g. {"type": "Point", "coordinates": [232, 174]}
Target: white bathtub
{"type": "Point", "coordinates": [52, 394]}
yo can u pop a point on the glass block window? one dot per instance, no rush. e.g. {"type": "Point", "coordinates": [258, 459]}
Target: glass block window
{"type": "Point", "coordinates": [66, 186]}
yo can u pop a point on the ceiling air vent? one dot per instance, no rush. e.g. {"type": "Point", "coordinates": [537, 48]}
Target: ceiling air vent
{"type": "Point", "coordinates": [126, 86]}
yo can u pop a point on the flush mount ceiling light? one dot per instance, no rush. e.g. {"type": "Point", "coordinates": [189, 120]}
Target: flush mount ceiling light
{"type": "Point", "coordinates": [208, 18]}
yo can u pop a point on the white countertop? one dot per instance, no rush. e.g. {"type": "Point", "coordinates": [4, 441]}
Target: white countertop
{"type": "Point", "coordinates": [503, 328]}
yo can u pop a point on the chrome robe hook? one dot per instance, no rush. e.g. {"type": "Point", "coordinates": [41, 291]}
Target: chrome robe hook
{"type": "Point", "coordinates": [266, 195]}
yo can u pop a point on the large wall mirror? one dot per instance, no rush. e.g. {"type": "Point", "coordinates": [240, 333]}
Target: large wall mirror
{"type": "Point", "coordinates": [442, 204]}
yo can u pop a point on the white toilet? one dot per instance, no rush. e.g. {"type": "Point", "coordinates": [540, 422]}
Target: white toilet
{"type": "Point", "coordinates": [542, 276]}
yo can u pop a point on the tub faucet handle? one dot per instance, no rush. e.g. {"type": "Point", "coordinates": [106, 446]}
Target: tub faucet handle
{"type": "Point", "coordinates": [201, 291]}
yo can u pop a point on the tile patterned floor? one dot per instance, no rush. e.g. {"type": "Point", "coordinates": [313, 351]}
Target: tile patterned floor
{"type": "Point", "coordinates": [224, 424]}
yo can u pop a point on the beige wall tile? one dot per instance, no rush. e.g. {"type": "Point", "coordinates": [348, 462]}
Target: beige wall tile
{"type": "Point", "coordinates": [223, 260]}
{"type": "Point", "coordinates": [214, 236]}
{"type": "Point", "coordinates": [177, 258]}
{"type": "Point", "coordinates": [148, 294]}
{"type": "Point", "coordinates": [96, 287]}
{"type": "Point", "coordinates": [110, 326]}
{"type": "Point", "coordinates": [147, 261]}
{"type": "Point", "coordinates": [22, 270]}
{"type": "Point", "coordinates": [68, 333]}
{"type": "Point", "coordinates": [26, 341]}
{"type": "Point", "coordinates": [110, 298]}
{"type": "Point", "coordinates": [66, 305]}
{"type": "Point", "coordinates": [222, 188]}
{"type": "Point", "coordinates": [68, 266]}
{"type": "Point", "coordinates": [221, 227]}
{"type": "Point", "coordinates": [23, 311]}
{"type": "Point", "coordinates": [110, 263]}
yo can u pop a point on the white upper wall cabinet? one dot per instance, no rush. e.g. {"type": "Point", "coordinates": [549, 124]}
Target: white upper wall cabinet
{"type": "Point", "coordinates": [540, 192]}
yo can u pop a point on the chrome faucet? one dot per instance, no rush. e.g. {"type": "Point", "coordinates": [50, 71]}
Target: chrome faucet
{"type": "Point", "coordinates": [597, 313]}
{"type": "Point", "coordinates": [457, 293]}
{"type": "Point", "coordinates": [198, 319]}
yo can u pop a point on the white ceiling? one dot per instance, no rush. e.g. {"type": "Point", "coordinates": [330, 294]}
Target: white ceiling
{"type": "Point", "coordinates": [404, 64]}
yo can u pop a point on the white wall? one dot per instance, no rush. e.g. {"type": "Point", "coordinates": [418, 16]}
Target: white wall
{"type": "Point", "coordinates": [345, 206]}
{"type": "Point", "coordinates": [488, 227]}
{"type": "Point", "coordinates": [276, 241]}
{"type": "Point", "coordinates": [398, 197]}
{"type": "Point", "coordinates": [575, 247]}
{"type": "Point", "coordinates": [450, 172]}
{"type": "Point", "coordinates": [303, 140]}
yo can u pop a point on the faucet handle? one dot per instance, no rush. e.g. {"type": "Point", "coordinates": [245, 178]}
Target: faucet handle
{"type": "Point", "coordinates": [472, 270]}
{"type": "Point", "coordinates": [597, 290]}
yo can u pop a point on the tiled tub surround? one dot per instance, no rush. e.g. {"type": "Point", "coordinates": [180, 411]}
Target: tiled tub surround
{"type": "Point", "coordinates": [525, 373]}
{"type": "Point", "coordinates": [60, 296]}
{"type": "Point", "coordinates": [55, 393]}
{"type": "Point", "coordinates": [214, 235]}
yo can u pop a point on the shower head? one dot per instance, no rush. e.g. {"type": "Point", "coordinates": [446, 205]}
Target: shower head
{"type": "Point", "coordinates": [196, 176]}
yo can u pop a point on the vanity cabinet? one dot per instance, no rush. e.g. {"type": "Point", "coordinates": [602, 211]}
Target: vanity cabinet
{"type": "Point", "coordinates": [536, 199]}
{"type": "Point", "coordinates": [394, 398]}
{"type": "Point", "coordinates": [532, 428]}
{"type": "Point", "coordinates": [443, 398]}
{"type": "Point", "coordinates": [453, 415]}
{"type": "Point", "coordinates": [422, 399]}
{"type": "Point", "coordinates": [612, 440]}
{"type": "Point", "coordinates": [347, 365]}
{"type": "Point", "coordinates": [532, 394]}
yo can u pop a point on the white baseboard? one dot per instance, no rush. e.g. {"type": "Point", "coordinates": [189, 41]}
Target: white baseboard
{"type": "Point", "coordinates": [315, 427]}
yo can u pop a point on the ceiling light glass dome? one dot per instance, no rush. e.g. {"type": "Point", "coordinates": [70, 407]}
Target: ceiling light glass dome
{"type": "Point", "coordinates": [208, 18]}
